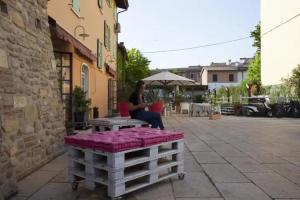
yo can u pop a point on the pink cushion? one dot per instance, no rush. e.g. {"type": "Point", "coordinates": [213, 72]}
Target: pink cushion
{"type": "Point", "coordinates": [104, 142]}
{"type": "Point", "coordinates": [125, 139]}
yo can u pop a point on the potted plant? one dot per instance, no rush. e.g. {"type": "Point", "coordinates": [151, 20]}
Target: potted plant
{"type": "Point", "coordinates": [237, 108]}
{"type": "Point", "coordinates": [81, 104]}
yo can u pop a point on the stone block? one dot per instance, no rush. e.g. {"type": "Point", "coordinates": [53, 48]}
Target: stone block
{"type": "Point", "coordinates": [3, 59]}
{"type": "Point", "coordinates": [20, 101]}
{"type": "Point", "coordinates": [43, 92]}
{"type": "Point", "coordinates": [18, 19]}
{"type": "Point", "coordinates": [10, 125]}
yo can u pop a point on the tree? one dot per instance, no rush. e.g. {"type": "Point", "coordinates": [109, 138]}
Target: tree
{"type": "Point", "coordinates": [254, 70]}
{"type": "Point", "coordinates": [135, 68]}
{"type": "Point", "coordinates": [257, 38]}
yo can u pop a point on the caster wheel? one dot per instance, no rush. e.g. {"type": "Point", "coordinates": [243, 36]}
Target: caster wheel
{"type": "Point", "coordinates": [181, 176]}
{"type": "Point", "coordinates": [74, 186]}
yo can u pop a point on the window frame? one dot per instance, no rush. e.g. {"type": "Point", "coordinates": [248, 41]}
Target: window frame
{"type": "Point", "coordinates": [77, 12]}
{"type": "Point", "coordinates": [215, 77]}
{"type": "Point", "coordinates": [231, 76]}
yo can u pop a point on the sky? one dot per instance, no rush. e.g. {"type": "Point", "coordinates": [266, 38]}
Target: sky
{"type": "Point", "coordinates": [171, 24]}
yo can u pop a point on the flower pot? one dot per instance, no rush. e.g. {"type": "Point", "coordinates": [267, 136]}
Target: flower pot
{"type": "Point", "coordinates": [156, 107]}
{"type": "Point", "coordinates": [123, 109]}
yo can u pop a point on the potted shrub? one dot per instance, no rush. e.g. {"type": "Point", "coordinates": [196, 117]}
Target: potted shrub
{"type": "Point", "coordinates": [81, 104]}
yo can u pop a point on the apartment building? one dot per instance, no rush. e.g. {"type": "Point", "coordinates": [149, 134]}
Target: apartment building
{"type": "Point", "coordinates": [84, 36]}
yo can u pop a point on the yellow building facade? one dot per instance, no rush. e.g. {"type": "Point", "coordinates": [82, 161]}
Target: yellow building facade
{"type": "Point", "coordinates": [85, 36]}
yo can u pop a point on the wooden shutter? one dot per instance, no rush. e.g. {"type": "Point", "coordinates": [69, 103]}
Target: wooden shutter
{"type": "Point", "coordinates": [99, 54]}
{"type": "Point", "coordinates": [100, 3]}
{"type": "Point", "coordinates": [76, 6]}
{"type": "Point", "coordinates": [105, 35]}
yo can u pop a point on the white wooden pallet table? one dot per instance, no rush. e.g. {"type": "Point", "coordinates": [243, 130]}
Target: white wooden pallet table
{"type": "Point", "coordinates": [126, 171]}
{"type": "Point", "coordinates": [115, 124]}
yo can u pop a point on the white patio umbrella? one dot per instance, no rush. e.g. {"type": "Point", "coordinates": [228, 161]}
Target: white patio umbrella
{"type": "Point", "coordinates": [168, 78]}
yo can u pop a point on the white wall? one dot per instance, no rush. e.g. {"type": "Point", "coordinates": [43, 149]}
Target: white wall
{"type": "Point", "coordinates": [204, 77]}
{"type": "Point", "coordinates": [212, 86]}
{"type": "Point", "coordinates": [280, 48]}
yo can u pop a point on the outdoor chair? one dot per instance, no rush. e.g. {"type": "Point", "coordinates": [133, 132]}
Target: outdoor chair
{"type": "Point", "coordinates": [184, 106]}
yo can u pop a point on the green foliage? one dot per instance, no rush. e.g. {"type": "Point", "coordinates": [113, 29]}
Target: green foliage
{"type": "Point", "coordinates": [256, 36]}
{"type": "Point", "coordinates": [293, 82]}
{"type": "Point", "coordinates": [199, 99]}
{"type": "Point", "coordinates": [254, 69]}
{"type": "Point", "coordinates": [254, 73]}
{"type": "Point", "coordinates": [137, 67]}
{"type": "Point", "coordinates": [80, 103]}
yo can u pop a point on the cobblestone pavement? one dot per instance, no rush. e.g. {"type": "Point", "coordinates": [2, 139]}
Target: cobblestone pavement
{"type": "Point", "coordinates": [232, 158]}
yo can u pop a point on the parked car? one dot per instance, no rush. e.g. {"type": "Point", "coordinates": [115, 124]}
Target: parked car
{"type": "Point", "coordinates": [257, 107]}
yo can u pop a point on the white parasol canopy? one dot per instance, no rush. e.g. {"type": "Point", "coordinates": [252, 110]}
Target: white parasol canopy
{"type": "Point", "coordinates": [168, 78]}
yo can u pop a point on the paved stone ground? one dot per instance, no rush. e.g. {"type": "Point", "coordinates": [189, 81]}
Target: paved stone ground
{"type": "Point", "coordinates": [234, 158]}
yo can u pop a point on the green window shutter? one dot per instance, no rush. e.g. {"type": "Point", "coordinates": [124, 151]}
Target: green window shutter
{"type": "Point", "coordinates": [100, 3]}
{"type": "Point", "coordinates": [109, 38]}
{"type": "Point", "coordinates": [99, 54]}
{"type": "Point", "coordinates": [105, 34]}
{"type": "Point", "coordinates": [76, 6]}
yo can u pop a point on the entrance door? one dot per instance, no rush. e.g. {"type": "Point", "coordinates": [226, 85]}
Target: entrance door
{"type": "Point", "coordinates": [64, 64]}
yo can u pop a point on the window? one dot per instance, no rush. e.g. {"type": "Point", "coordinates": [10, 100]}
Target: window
{"type": "Point", "coordinates": [215, 77]}
{"type": "Point", "coordinates": [99, 54]}
{"type": "Point", "coordinates": [108, 3]}
{"type": "Point", "coordinates": [231, 78]}
{"type": "Point", "coordinates": [100, 4]}
{"type": "Point", "coordinates": [76, 6]}
{"type": "Point", "coordinates": [3, 7]}
{"type": "Point", "coordinates": [192, 76]}
{"type": "Point", "coordinates": [85, 79]}
{"type": "Point", "coordinates": [106, 36]}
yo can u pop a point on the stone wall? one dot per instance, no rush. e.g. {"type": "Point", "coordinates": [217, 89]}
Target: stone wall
{"type": "Point", "coordinates": [31, 113]}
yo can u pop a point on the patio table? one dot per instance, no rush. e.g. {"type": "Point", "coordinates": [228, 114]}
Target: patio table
{"type": "Point", "coordinates": [114, 123]}
{"type": "Point", "coordinates": [198, 109]}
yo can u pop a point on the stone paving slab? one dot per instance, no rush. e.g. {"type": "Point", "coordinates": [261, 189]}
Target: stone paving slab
{"type": "Point", "coordinates": [227, 150]}
{"type": "Point", "coordinates": [246, 164]}
{"type": "Point", "coordinates": [34, 182]}
{"type": "Point", "coordinates": [191, 165]}
{"type": "Point", "coordinates": [241, 191]}
{"type": "Point", "coordinates": [197, 145]}
{"type": "Point", "coordinates": [208, 157]}
{"type": "Point", "coordinates": [199, 199]}
{"type": "Point", "coordinates": [194, 185]}
{"type": "Point", "coordinates": [275, 185]}
{"type": "Point", "coordinates": [267, 158]}
{"type": "Point", "coordinates": [55, 191]}
{"type": "Point", "coordinates": [289, 171]}
{"type": "Point", "coordinates": [221, 173]}
{"type": "Point", "coordinates": [159, 191]}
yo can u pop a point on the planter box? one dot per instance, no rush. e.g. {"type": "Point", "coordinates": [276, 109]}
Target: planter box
{"type": "Point", "coordinates": [215, 116]}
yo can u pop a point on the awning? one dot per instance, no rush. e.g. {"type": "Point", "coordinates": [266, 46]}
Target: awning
{"type": "Point", "coordinates": [110, 70]}
{"type": "Point", "coordinates": [62, 34]}
{"type": "Point", "coordinates": [122, 4]}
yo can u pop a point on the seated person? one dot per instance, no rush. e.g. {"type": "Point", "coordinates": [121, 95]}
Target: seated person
{"type": "Point", "coordinates": [137, 107]}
